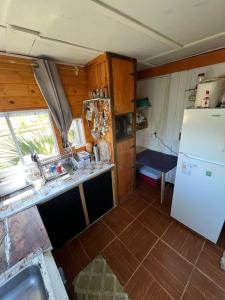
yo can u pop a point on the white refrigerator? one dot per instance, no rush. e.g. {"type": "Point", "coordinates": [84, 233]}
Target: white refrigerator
{"type": "Point", "coordinates": [199, 191]}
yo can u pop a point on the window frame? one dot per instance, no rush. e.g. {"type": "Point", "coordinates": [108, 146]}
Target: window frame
{"type": "Point", "coordinates": [6, 115]}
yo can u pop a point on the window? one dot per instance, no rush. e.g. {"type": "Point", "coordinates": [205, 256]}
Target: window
{"type": "Point", "coordinates": [22, 133]}
{"type": "Point", "coordinates": [76, 133]}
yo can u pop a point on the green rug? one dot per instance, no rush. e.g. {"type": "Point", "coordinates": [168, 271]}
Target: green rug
{"type": "Point", "coordinates": [98, 282]}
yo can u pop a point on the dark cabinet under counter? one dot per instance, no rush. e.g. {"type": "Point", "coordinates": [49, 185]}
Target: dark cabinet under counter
{"type": "Point", "coordinates": [63, 217]}
{"type": "Point", "coordinates": [98, 194]}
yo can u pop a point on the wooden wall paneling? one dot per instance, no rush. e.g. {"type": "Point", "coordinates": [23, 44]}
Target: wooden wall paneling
{"type": "Point", "coordinates": [19, 90]}
{"type": "Point", "coordinates": [14, 103]}
{"type": "Point", "coordinates": [205, 59]}
{"type": "Point", "coordinates": [13, 90]}
{"type": "Point", "coordinates": [74, 86]}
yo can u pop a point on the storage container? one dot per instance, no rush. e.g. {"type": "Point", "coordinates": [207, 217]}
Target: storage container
{"type": "Point", "coordinates": [150, 176]}
{"type": "Point", "coordinates": [216, 88]}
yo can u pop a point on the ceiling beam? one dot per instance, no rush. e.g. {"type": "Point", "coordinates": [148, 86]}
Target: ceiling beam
{"type": "Point", "coordinates": [37, 35]}
{"type": "Point", "coordinates": [197, 61]}
{"type": "Point", "coordinates": [221, 34]}
{"type": "Point", "coordinates": [70, 44]}
{"type": "Point", "coordinates": [135, 24]}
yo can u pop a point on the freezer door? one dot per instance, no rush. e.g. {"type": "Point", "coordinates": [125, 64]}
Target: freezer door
{"type": "Point", "coordinates": [203, 134]}
{"type": "Point", "coordinates": [199, 196]}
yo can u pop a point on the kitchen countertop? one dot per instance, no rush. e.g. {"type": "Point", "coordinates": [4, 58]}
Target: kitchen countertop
{"type": "Point", "coordinates": [25, 234]}
{"type": "Point", "coordinates": [25, 230]}
{"type": "Point", "coordinates": [54, 286]}
{"type": "Point", "coordinates": [49, 191]}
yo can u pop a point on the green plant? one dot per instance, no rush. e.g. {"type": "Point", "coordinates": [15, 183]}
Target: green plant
{"type": "Point", "coordinates": [39, 141]}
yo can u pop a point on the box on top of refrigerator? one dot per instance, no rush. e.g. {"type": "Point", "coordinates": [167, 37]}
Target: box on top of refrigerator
{"type": "Point", "coordinates": [214, 88]}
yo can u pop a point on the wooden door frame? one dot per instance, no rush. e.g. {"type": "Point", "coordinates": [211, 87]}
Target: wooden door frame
{"type": "Point", "coordinates": [109, 56]}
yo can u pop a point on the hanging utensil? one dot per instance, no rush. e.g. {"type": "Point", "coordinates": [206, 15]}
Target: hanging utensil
{"type": "Point", "coordinates": [88, 115]}
{"type": "Point", "coordinates": [95, 132]}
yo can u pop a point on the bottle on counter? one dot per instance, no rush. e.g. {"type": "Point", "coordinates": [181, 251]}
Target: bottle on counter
{"type": "Point", "coordinates": [96, 152]}
{"type": "Point", "coordinates": [59, 169]}
{"type": "Point", "coordinates": [101, 93]}
{"type": "Point", "coordinates": [106, 94]}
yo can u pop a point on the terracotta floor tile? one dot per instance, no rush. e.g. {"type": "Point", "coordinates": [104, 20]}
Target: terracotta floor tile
{"type": "Point", "coordinates": [138, 239]}
{"type": "Point", "coordinates": [122, 262]}
{"type": "Point", "coordinates": [201, 288]}
{"type": "Point", "coordinates": [135, 205]}
{"type": "Point", "coordinates": [155, 220]}
{"type": "Point", "coordinates": [209, 263]}
{"type": "Point", "coordinates": [95, 238]}
{"type": "Point", "coordinates": [117, 219]}
{"type": "Point", "coordinates": [143, 286]}
{"type": "Point", "coordinates": [71, 258]}
{"type": "Point", "coordinates": [168, 268]}
{"type": "Point", "coordinates": [164, 272]}
{"type": "Point", "coordinates": [147, 192]}
{"type": "Point", "coordinates": [185, 241]}
{"type": "Point", "coordinates": [165, 207]}
{"type": "Point", "coordinates": [155, 292]}
{"type": "Point", "coordinates": [139, 284]}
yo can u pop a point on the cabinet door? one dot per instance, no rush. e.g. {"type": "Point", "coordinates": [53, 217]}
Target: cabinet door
{"type": "Point", "coordinates": [123, 85]}
{"type": "Point", "coordinates": [98, 195]}
{"type": "Point", "coordinates": [126, 152]}
{"type": "Point", "coordinates": [125, 167]}
{"type": "Point", "coordinates": [63, 217]}
{"type": "Point", "coordinates": [125, 181]}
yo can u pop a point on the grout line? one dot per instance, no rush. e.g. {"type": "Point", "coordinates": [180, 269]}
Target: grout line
{"type": "Point", "coordinates": [109, 243]}
{"type": "Point", "coordinates": [124, 208]}
{"type": "Point", "coordinates": [189, 278]}
{"type": "Point", "coordinates": [142, 259]}
{"type": "Point", "coordinates": [203, 246]}
{"type": "Point", "coordinates": [138, 267]}
{"type": "Point", "coordinates": [166, 230]}
{"type": "Point", "coordinates": [139, 263]}
{"type": "Point", "coordinates": [134, 219]}
{"type": "Point", "coordinates": [116, 234]}
{"type": "Point", "coordinates": [209, 278]}
{"type": "Point", "coordinates": [159, 209]}
{"type": "Point", "coordinates": [174, 250]}
{"type": "Point", "coordinates": [83, 248]}
{"type": "Point", "coordinates": [186, 285]}
{"type": "Point", "coordinates": [162, 287]}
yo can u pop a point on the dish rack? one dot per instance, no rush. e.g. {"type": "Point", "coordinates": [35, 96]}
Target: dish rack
{"type": "Point", "coordinates": [44, 165]}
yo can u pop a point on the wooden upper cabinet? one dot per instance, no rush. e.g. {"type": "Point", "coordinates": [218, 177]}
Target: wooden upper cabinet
{"type": "Point", "coordinates": [123, 77]}
{"type": "Point", "coordinates": [97, 73]}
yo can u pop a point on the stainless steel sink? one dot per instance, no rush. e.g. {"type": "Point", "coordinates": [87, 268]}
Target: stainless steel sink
{"type": "Point", "coordinates": [26, 285]}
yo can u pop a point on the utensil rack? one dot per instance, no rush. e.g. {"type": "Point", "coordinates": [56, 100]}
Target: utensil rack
{"type": "Point", "coordinates": [97, 113]}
